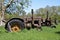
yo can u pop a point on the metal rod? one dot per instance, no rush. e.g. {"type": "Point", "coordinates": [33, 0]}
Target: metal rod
{"type": "Point", "coordinates": [47, 15]}
{"type": "Point", "coordinates": [32, 16]}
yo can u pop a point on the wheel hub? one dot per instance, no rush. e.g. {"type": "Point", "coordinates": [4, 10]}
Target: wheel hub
{"type": "Point", "coordinates": [15, 28]}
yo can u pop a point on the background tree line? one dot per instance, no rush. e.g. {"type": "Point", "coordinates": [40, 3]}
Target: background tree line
{"type": "Point", "coordinates": [53, 12]}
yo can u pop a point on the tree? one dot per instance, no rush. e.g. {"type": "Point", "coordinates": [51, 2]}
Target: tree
{"type": "Point", "coordinates": [11, 6]}
{"type": "Point", "coordinates": [53, 12]}
{"type": "Point", "coordinates": [16, 5]}
{"type": "Point", "coordinates": [1, 12]}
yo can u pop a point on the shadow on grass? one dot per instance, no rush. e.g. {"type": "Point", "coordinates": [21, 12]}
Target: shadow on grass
{"type": "Point", "coordinates": [57, 32]}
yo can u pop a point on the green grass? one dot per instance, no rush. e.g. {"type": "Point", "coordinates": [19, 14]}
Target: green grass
{"type": "Point", "coordinates": [46, 34]}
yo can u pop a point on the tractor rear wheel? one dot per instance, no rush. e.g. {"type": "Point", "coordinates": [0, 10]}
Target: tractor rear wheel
{"type": "Point", "coordinates": [14, 25]}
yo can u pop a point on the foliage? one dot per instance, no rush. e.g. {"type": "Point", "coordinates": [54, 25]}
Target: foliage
{"type": "Point", "coordinates": [16, 5]}
{"type": "Point", "coordinates": [53, 12]}
{"type": "Point", "coordinates": [16, 8]}
{"type": "Point", "coordinates": [9, 16]}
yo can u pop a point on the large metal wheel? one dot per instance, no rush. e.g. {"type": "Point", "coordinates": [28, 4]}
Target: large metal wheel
{"type": "Point", "coordinates": [14, 25]}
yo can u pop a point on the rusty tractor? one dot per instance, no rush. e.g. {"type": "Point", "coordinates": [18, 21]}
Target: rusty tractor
{"type": "Point", "coordinates": [18, 24]}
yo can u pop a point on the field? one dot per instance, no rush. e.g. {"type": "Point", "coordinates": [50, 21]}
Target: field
{"type": "Point", "coordinates": [46, 34]}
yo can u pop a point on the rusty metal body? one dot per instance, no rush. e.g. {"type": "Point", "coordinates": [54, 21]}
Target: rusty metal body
{"type": "Point", "coordinates": [36, 22]}
{"type": "Point", "coordinates": [32, 21]}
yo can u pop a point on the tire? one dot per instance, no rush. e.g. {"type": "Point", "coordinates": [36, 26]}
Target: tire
{"type": "Point", "coordinates": [14, 24]}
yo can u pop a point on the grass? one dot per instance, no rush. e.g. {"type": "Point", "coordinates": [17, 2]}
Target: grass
{"type": "Point", "coordinates": [46, 34]}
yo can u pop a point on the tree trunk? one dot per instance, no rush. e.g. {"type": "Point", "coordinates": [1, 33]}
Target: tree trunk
{"type": "Point", "coordinates": [2, 14]}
